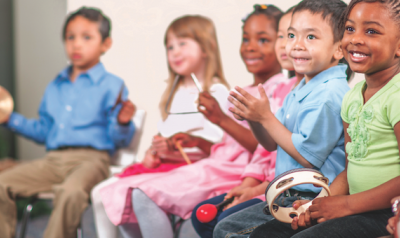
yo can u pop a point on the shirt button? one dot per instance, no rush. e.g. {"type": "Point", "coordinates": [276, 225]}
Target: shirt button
{"type": "Point", "coordinates": [68, 108]}
{"type": "Point", "coordinates": [287, 116]}
{"type": "Point", "coordinates": [61, 126]}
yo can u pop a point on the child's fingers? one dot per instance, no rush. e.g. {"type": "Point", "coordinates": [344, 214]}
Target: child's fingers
{"type": "Point", "coordinates": [296, 204]}
{"type": "Point", "coordinates": [237, 117]}
{"type": "Point", "coordinates": [238, 97]}
{"type": "Point", "coordinates": [238, 105]}
{"type": "Point", "coordinates": [307, 218]}
{"type": "Point", "coordinates": [261, 90]}
{"type": "Point", "coordinates": [294, 223]}
{"type": "Point", "coordinates": [238, 114]}
{"type": "Point", "coordinates": [243, 92]}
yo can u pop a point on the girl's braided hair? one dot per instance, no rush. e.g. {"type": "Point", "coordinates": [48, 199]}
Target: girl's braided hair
{"type": "Point", "coordinates": [269, 11]}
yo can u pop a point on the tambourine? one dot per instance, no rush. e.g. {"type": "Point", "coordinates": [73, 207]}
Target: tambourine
{"type": "Point", "coordinates": [288, 180]}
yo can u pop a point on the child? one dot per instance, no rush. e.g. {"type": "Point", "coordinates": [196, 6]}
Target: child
{"type": "Point", "coordinates": [361, 194]}
{"type": "Point", "coordinates": [307, 131]}
{"type": "Point", "coordinates": [81, 124]}
{"type": "Point", "coordinates": [249, 191]}
{"type": "Point", "coordinates": [145, 199]}
{"type": "Point", "coordinates": [191, 47]}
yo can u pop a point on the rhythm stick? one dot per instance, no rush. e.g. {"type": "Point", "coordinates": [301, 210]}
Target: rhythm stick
{"type": "Point", "coordinates": [184, 155]}
{"type": "Point", "coordinates": [196, 81]}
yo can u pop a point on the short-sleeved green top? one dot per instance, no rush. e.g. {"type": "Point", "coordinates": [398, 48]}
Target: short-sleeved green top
{"type": "Point", "coordinates": [373, 152]}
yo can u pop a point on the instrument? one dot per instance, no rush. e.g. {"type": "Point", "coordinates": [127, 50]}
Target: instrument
{"type": "Point", "coordinates": [207, 212]}
{"type": "Point", "coordinates": [395, 209]}
{"type": "Point", "coordinates": [184, 155]}
{"type": "Point", "coordinates": [288, 180]}
{"type": "Point", "coordinates": [196, 81]}
{"type": "Point", "coordinates": [6, 105]}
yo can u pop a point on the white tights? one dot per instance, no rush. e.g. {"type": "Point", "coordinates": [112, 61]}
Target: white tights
{"type": "Point", "coordinates": [152, 220]}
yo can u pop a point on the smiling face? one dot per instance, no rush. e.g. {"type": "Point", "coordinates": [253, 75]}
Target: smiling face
{"type": "Point", "coordinates": [257, 49]}
{"type": "Point", "coordinates": [311, 44]}
{"type": "Point", "coordinates": [280, 45]}
{"type": "Point", "coordinates": [185, 55]}
{"type": "Point", "coordinates": [371, 39]}
{"type": "Point", "coordinates": [83, 43]}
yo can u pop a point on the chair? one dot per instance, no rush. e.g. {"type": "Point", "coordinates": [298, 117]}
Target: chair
{"type": "Point", "coordinates": [122, 158]}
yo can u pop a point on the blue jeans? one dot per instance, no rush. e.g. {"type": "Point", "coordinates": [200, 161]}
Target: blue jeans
{"type": "Point", "coordinates": [205, 230]}
{"type": "Point", "coordinates": [243, 223]}
{"type": "Point", "coordinates": [366, 225]}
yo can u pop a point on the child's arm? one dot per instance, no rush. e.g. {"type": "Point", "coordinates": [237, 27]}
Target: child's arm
{"type": "Point", "coordinates": [258, 110]}
{"type": "Point", "coordinates": [120, 125]}
{"type": "Point", "coordinates": [35, 129]}
{"type": "Point", "coordinates": [374, 199]}
{"type": "Point", "coordinates": [214, 114]}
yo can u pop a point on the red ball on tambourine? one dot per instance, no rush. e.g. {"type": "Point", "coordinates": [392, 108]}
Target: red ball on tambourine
{"type": "Point", "coordinates": [207, 212]}
{"type": "Point", "coordinates": [288, 180]}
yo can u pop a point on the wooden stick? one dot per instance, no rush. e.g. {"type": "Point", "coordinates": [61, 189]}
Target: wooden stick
{"type": "Point", "coordinates": [184, 155]}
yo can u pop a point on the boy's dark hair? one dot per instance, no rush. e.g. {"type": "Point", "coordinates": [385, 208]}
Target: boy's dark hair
{"type": "Point", "coordinates": [94, 15]}
{"type": "Point", "coordinates": [269, 11]}
{"type": "Point", "coordinates": [392, 5]}
{"type": "Point", "coordinates": [331, 9]}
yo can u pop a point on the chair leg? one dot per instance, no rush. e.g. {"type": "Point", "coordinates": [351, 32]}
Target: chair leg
{"type": "Point", "coordinates": [176, 225]}
{"type": "Point", "coordinates": [79, 231]}
{"type": "Point", "coordinates": [25, 218]}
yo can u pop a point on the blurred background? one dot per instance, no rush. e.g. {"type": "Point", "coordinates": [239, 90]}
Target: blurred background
{"type": "Point", "coordinates": [32, 51]}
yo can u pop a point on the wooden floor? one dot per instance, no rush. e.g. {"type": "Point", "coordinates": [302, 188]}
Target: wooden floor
{"type": "Point", "coordinates": [36, 227]}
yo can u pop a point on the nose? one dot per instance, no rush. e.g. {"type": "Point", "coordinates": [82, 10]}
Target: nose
{"type": "Point", "coordinates": [298, 44]}
{"type": "Point", "coordinates": [251, 45]}
{"type": "Point", "coordinates": [357, 38]}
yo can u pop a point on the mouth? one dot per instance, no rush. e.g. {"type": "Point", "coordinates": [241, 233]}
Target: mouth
{"type": "Point", "coordinates": [300, 60]}
{"type": "Point", "coordinates": [357, 56]}
{"type": "Point", "coordinates": [178, 62]}
{"type": "Point", "coordinates": [284, 56]}
{"type": "Point", "coordinates": [252, 61]}
{"type": "Point", "coordinates": [76, 56]}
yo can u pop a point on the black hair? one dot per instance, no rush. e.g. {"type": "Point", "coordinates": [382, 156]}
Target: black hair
{"type": "Point", "coordinates": [94, 15]}
{"type": "Point", "coordinates": [392, 5]}
{"type": "Point", "coordinates": [270, 11]}
{"type": "Point", "coordinates": [330, 10]}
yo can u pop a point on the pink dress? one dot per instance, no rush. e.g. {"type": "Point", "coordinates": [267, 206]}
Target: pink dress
{"type": "Point", "coordinates": [180, 190]}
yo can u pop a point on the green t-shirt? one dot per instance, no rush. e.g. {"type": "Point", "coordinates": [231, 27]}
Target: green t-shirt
{"type": "Point", "coordinates": [373, 152]}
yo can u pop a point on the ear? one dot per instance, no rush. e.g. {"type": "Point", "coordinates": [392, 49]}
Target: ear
{"type": "Point", "coordinates": [398, 49]}
{"type": "Point", "coordinates": [106, 45]}
{"type": "Point", "coordinates": [338, 52]}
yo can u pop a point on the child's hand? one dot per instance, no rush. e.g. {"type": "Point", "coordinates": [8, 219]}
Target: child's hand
{"type": "Point", "coordinates": [327, 208]}
{"type": "Point", "coordinates": [151, 159]}
{"type": "Point", "coordinates": [161, 145]}
{"type": "Point", "coordinates": [210, 108]}
{"type": "Point", "coordinates": [240, 195]}
{"type": "Point", "coordinates": [126, 113]}
{"type": "Point", "coordinates": [391, 226]}
{"type": "Point", "coordinates": [304, 220]}
{"type": "Point", "coordinates": [184, 139]}
{"type": "Point", "coordinates": [249, 107]}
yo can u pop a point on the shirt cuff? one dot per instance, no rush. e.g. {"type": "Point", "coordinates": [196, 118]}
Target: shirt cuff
{"type": "Point", "coordinates": [14, 122]}
{"type": "Point", "coordinates": [255, 171]}
{"type": "Point", "coordinates": [297, 140]}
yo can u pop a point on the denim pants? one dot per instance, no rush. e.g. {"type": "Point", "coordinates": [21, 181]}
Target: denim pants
{"type": "Point", "coordinates": [241, 224]}
{"type": "Point", "coordinates": [205, 230]}
{"type": "Point", "coordinates": [365, 225]}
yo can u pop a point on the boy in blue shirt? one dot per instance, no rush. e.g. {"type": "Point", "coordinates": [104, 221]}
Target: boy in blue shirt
{"type": "Point", "coordinates": [307, 131]}
{"type": "Point", "coordinates": [84, 115]}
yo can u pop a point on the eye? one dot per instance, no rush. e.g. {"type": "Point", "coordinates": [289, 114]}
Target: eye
{"type": "Point", "coordinates": [311, 37]}
{"type": "Point", "coordinates": [263, 40]}
{"type": "Point", "coordinates": [245, 40]}
{"type": "Point", "coordinates": [87, 37]}
{"type": "Point", "coordinates": [182, 43]}
{"type": "Point", "coordinates": [70, 37]}
{"type": "Point", "coordinates": [349, 28]}
{"type": "Point", "coordinates": [371, 31]}
{"type": "Point", "coordinates": [290, 35]}
{"type": "Point", "coordinates": [170, 47]}
{"type": "Point", "coordinates": [280, 36]}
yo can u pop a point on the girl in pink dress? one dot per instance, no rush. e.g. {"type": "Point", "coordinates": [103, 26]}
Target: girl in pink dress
{"type": "Point", "coordinates": [256, 179]}
{"type": "Point", "coordinates": [145, 199]}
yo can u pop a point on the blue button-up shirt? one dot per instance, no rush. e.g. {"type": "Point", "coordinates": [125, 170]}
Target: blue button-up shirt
{"type": "Point", "coordinates": [312, 113]}
{"type": "Point", "coordinates": [80, 113]}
